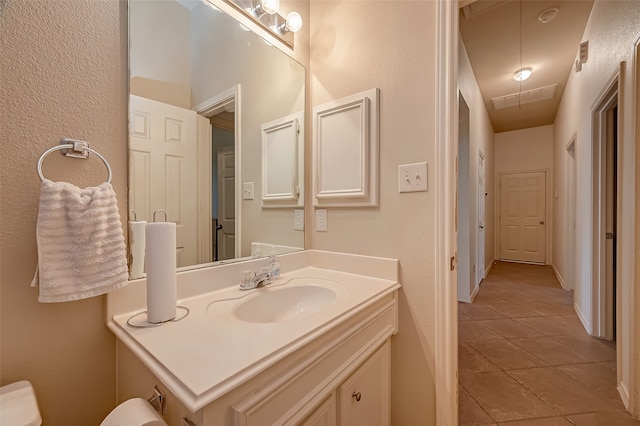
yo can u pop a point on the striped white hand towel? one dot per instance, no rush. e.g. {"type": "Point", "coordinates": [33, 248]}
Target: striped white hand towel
{"type": "Point", "coordinates": [81, 250]}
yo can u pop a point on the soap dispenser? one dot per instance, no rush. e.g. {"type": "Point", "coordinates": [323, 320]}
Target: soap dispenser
{"type": "Point", "coordinates": [274, 263]}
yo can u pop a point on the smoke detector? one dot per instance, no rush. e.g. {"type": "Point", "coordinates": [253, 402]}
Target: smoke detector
{"type": "Point", "coordinates": [548, 15]}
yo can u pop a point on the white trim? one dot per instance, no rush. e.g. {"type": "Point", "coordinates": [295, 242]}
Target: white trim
{"type": "Point", "coordinates": [211, 107]}
{"type": "Point", "coordinates": [481, 196]}
{"type": "Point", "coordinates": [446, 138]}
{"type": "Point", "coordinates": [583, 319]}
{"type": "Point", "coordinates": [471, 297]}
{"type": "Point", "coordinates": [488, 269]}
{"type": "Point", "coordinates": [203, 182]}
{"type": "Point", "coordinates": [558, 276]}
{"type": "Point", "coordinates": [634, 371]}
{"type": "Point", "coordinates": [607, 98]}
{"type": "Point", "coordinates": [624, 393]}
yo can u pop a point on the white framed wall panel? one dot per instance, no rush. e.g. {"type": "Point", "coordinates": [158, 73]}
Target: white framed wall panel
{"type": "Point", "coordinates": [346, 150]}
{"type": "Point", "coordinates": [282, 162]}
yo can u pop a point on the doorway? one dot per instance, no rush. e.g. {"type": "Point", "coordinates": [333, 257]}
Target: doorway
{"type": "Point", "coordinates": [481, 219]}
{"type": "Point", "coordinates": [220, 150]}
{"type": "Point", "coordinates": [605, 211]}
{"type": "Point", "coordinates": [465, 271]}
{"type": "Point", "coordinates": [571, 181]}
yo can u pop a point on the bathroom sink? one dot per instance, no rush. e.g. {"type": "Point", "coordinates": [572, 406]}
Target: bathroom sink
{"type": "Point", "coordinates": [282, 304]}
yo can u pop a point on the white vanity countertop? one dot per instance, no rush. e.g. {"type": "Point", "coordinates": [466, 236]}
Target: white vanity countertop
{"type": "Point", "coordinates": [210, 352]}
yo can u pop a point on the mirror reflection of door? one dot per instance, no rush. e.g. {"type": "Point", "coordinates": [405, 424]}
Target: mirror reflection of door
{"type": "Point", "coordinates": [223, 185]}
{"type": "Point", "coordinates": [162, 163]}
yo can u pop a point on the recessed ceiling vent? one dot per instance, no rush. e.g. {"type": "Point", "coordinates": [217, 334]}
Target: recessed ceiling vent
{"type": "Point", "coordinates": [476, 8]}
{"type": "Point", "coordinates": [527, 97]}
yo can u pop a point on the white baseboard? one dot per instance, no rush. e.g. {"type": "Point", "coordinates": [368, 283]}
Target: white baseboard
{"type": "Point", "coordinates": [559, 277]}
{"type": "Point", "coordinates": [586, 324]}
{"type": "Point", "coordinates": [486, 271]}
{"type": "Point", "coordinates": [475, 292]}
{"type": "Point", "coordinates": [624, 394]}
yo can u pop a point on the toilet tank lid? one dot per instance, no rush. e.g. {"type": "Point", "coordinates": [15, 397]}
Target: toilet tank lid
{"type": "Point", "coordinates": [18, 405]}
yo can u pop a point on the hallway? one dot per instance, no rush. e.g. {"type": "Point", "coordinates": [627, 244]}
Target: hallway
{"type": "Point", "coordinates": [525, 359]}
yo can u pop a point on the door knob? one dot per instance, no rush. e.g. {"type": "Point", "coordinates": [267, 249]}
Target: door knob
{"type": "Point", "coordinates": [481, 227]}
{"type": "Point", "coordinates": [357, 396]}
{"type": "Point", "coordinates": [542, 222]}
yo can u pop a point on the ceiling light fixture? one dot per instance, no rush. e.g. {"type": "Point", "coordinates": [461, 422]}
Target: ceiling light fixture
{"type": "Point", "coordinates": [522, 74]}
{"type": "Point", "coordinates": [548, 15]}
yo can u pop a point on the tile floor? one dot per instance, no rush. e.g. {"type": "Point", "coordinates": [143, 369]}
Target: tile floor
{"type": "Point", "coordinates": [525, 359]}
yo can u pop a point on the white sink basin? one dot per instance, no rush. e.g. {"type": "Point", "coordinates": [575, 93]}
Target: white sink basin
{"type": "Point", "coordinates": [282, 304]}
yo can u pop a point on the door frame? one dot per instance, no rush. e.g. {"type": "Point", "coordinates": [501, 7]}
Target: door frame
{"type": "Point", "coordinates": [465, 223]}
{"type": "Point", "coordinates": [547, 210]}
{"type": "Point", "coordinates": [446, 144]}
{"type": "Point", "coordinates": [608, 98]}
{"type": "Point", "coordinates": [570, 228]}
{"type": "Point", "coordinates": [480, 251]}
{"type": "Point", "coordinates": [229, 98]}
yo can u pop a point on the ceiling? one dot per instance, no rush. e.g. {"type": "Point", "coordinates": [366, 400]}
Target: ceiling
{"type": "Point", "coordinates": [497, 42]}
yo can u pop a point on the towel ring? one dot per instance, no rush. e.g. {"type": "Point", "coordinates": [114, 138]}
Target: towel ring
{"type": "Point", "coordinates": [83, 146]}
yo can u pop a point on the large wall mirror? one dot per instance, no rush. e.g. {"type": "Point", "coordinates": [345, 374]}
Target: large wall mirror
{"type": "Point", "coordinates": [216, 133]}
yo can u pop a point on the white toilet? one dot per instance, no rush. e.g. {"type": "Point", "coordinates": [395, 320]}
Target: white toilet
{"type": "Point", "coordinates": [19, 407]}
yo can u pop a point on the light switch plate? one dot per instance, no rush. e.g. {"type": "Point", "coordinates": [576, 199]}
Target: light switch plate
{"type": "Point", "coordinates": [321, 220]}
{"type": "Point", "coordinates": [412, 177]}
{"type": "Point", "coordinates": [298, 220]}
{"type": "Point", "coordinates": [247, 190]}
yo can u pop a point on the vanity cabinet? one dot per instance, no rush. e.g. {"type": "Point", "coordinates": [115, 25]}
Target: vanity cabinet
{"type": "Point", "coordinates": [362, 399]}
{"type": "Point", "coordinates": [326, 367]}
{"type": "Point", "coordinates": [324, 415]}
{"type": "Point", "coordinates": [364, 396]}
{"type": "Point", "coordinates": [319, 384]}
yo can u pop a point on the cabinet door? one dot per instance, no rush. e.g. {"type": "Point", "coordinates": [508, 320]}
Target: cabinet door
{"type": "Point", "coordinates": [324, 415]}
{"type": "Point", "coordinates": [364, 396]}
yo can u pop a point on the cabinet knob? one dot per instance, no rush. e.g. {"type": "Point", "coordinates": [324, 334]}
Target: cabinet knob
{"type": "Point", "coordinates": [357, 396]}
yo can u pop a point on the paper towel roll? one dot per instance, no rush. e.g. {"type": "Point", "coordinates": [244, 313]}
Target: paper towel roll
{"type": "Point", "coordinates": [136, 248]}
{"type": "Point", "coordinates": [160, 264]}
{"type": "Point", "coordinates": [135, 411]}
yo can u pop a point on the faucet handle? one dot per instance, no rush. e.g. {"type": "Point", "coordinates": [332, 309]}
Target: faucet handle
{"type": "Point", "coordinates": [246, 280]}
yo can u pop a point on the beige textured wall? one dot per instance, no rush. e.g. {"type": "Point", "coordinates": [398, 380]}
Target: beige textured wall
{"type": "Point", "coordinates": [481, 139]}
{"type": "Point", "coordinates": [357, 46]}
{"type": "Point", "coordinates": [63, 74]}
{"type": "Point", "coordinates": [611, 31]}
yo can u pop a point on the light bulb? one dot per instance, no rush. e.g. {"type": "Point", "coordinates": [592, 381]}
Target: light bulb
{"type": "Point", "coordinates": [522, 74]}
{"type": "Point", "coordinates": [270, 6]}
{"type": "Point", "coordinates": [294, 22]}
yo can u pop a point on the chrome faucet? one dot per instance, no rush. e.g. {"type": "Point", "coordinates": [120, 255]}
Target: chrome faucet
{"type": "Point", "coordinates": [256, 280]}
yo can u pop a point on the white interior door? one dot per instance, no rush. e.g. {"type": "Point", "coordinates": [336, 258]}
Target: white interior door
{"type": "Point", "coordinates": [163, 169]}
{"type": "Point", "coordinates": [481, 219]}
{"type": "Point", "coordinates": [226, 204]}
{"type": "Point", "coordinates": [522, 217]}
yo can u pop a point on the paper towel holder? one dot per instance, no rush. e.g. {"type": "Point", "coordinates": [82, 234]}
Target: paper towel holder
{"type": "Point", "coordinates": [137, 320]}
{"type": "Point", "coordinates": [160, 211]}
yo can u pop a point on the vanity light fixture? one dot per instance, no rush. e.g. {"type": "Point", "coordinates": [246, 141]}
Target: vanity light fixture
{"type": "Point", "coordinates": [265, 14]}
{"type": "Point", "coordinates": [522, 74]}
{"type": "Point", "coordinates": [262, 7]}
{"type": "Point", "coordinates": [293, 23]}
